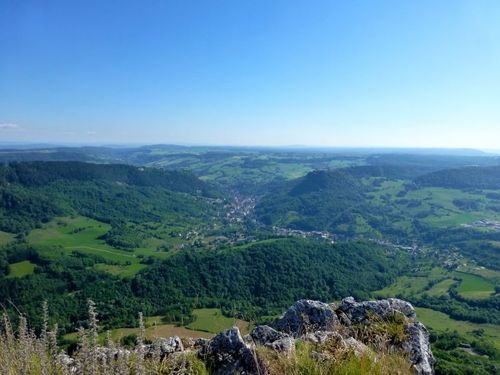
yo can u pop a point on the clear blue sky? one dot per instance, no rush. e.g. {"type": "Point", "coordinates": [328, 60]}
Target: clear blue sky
{"type": "Point", "coordinates": [331, 73]}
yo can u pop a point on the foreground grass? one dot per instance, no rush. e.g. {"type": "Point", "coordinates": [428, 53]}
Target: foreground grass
{"type": "Point", "coordinates": [24, 352]}
{"type": "Point", "coordinates": [306, 362]}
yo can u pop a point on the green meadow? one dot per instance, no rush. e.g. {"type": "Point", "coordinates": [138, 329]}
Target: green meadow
{"type": "Point", "coordinates": [441, 288]}
{"type": "Point", "coordinates": [413, 285]}
{"type": "Point", "coordinates": [474, 286]}
{"type": "Point", "coordinates": [471, 286]}
{"type": "Point", "coordinates": [439, 321]}
{"type": "Point", "coordinates": [21, 269]}
{"type": "Point", "coordinates": [210, 320]}
{"type": "Point", "coordinates": [65, 235]}
{"type": "Point", "coordinates": [404, 285]}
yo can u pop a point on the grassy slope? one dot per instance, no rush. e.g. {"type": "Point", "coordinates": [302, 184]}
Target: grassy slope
{"type": "Point", "coordinates": [410, 285]}
{"type": "Point", "coordinates": [441, 288]}
{"type": "Point", "coordinates": [471, 286]}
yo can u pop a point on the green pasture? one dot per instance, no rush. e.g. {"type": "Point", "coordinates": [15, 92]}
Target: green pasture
{"type": "Point", "coordinates": [404, 286]}
{"type": "Point", "coordinates": [439, 321]}
{"type": "Point", "coordinates": [492, 275]}
{"type": "Point", "coordinates": [210, 320]}
{"type": "Point", "coordinates": [207, 323]}
{"type": "Point", "coordinates": [441, 288]}
{"type": "Point", "coordinates": [21, 269]}
{"type": "Point", "coordinates": [413, 285]}
{"type": "Point", "coordinates": [474, 286]}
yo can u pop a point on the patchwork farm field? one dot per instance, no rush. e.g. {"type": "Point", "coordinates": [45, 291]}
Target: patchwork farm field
{"type": "Point", "coordinates": [437, 282]}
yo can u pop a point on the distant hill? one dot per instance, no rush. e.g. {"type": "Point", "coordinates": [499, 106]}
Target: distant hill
{"type": "Point", "coordinates": [42, 173]}
{"type": "Point", "coordinates": [254, 170]}
{"type": "Point", "coordinates": [320, 200]}
{"type": "Point", "coordinates": [426, 162]}
{"type": "Point", "coordinates": [463, 178]}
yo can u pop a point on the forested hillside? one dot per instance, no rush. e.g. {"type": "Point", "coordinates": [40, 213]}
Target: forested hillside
{"type": "Point", "coordinates": [29, 174]}
{"type": "Point", "coordinates": [252, 280]}
{"type": "Point", "coordinates": [33, 193]}
{"type": "Point", "coordinates": [321, 200]}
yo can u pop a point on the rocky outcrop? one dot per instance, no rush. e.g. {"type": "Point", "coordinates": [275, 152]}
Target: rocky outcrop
{"type": "Point", "coordinates": [357, 312]}
{"type": "Point", "coordinates": [270, 338]}
{"type": "Point", "coordinates": [165, 347]}
{"type": "Point", "coordinates": [331, 333]}
{"type": "Point", "coordinates": [307, 316]}
{"type": "Point", "coordinates": [319, 323]}
{"type": "Point", "coordinates": [357, 347]}
{"type": "Point", "coordinates": [418, 347]}
{"type": "Point", "coordinates": [227, 353]}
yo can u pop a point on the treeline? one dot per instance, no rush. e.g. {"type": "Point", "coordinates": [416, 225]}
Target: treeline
{"type": "Point", "coordinates": [249, 281]}
{"type": "Point", "coordinates": [264, 277]}
{"type": "Point", "coordinates": [421, 164]}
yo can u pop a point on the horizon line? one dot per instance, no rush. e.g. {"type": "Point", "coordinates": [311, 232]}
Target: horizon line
{"type": "Point", "coordinates": [56, 144]}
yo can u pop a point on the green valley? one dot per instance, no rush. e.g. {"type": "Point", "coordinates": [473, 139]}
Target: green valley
{"type": "Point", "coordinates": [245, 233]}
